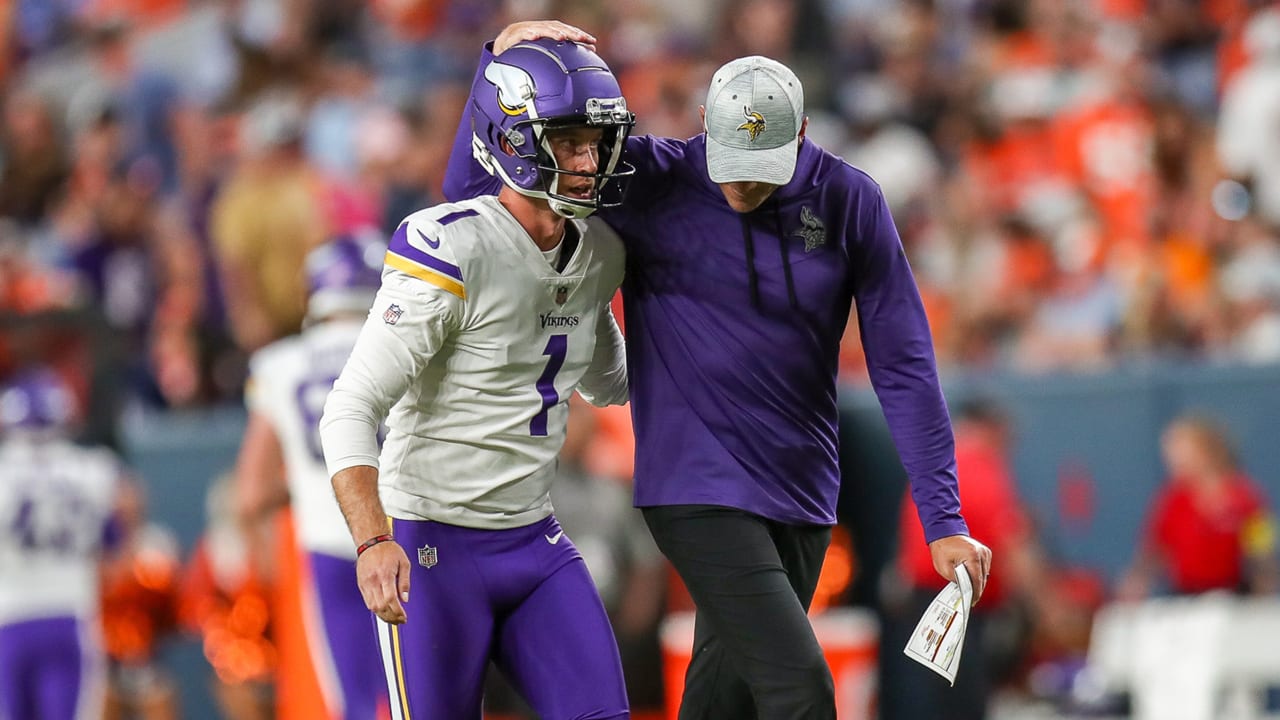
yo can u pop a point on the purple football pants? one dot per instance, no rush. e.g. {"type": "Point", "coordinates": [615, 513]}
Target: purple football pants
{"type": "Point", "coordinates": [522, 598]}
{"type": "Point", "coordinates": [343, 650]}
{"type": "Point", "coordinates": [48, 672]}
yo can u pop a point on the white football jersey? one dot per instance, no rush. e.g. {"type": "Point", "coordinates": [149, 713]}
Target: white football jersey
{"type": "Point", "coordinates": [56, 500]}
{"type": "Point", "coordinates": [288, 383]}
{"type": "Point", "coordinates": [474, 345]}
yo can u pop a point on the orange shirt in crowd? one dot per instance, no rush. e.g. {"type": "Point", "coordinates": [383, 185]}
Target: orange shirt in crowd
{"type": "Point", "coordinates": [1203, 542]}
{"type": "Point", "coordinates": [1005, 171]}
{"type": "Point", "coordinates": [1105, 150]}
{"type": "Point", "coordinates": [991, 507]}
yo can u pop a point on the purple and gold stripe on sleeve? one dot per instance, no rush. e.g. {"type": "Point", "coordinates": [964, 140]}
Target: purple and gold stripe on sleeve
{"type": "Point", "coordinates": [426, 267]}
{"type": "Point", "coordinates": [456, 215]}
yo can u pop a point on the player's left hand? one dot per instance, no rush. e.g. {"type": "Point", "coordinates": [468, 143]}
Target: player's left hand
{"type": "Point", "coordinates": [948, 552]}
{"type": "Point", "coordinates": [535, 29]}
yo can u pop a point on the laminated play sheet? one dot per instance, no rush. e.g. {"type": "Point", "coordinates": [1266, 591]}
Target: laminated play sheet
{"type": "Point", "coordinates": [938, 639]}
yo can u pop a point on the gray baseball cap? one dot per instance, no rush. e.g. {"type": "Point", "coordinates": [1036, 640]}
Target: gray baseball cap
{"type": "Point", "coordinates": [755, 107]}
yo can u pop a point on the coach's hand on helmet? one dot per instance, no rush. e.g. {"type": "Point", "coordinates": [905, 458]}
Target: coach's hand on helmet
{"type": "Point", "coordinates": [948, 552]}
{"type": "Point", "coordinates": [535, 29]}
{"type": "Point", "coordinates": [382, 572]}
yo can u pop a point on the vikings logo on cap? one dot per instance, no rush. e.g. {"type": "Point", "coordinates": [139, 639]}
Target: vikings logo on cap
{"type": "Point", "coordinates": [754, 124]}
{"type": "Point", "coordinates": [514, 85]}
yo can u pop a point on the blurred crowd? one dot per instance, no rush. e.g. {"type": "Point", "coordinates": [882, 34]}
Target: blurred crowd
{"type": "Point", "coordinates": [1077, 184]}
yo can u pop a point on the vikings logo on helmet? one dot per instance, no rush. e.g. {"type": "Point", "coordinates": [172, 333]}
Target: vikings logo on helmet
{"type": "Point", "coordinates": [515, 87]}
{"type": "Point", "coordinates": [754, 124]}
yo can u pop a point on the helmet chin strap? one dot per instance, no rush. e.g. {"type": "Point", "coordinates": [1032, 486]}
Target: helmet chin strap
{"type": "Point", "coordinates": [561, 207]}
{"type": "Point", "coordinates": [569, 210]}
{"type": "Point", "coordinates": [564, 208]}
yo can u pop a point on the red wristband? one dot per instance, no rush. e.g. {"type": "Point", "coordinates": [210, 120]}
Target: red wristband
{"type": "Point", "coordinates": [387, 537]}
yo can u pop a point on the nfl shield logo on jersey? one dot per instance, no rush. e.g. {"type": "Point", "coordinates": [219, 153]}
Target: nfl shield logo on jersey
{"type": "Point", "coordinates": [562, 294]}
{"type": "Point", "coordinates": [428, 556]}
{"type": "Point", "coordinates": [392, 314]}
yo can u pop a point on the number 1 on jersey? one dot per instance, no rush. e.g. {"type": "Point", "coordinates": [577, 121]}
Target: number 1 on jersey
{"type": "Point", "coordinates": [557, 348]}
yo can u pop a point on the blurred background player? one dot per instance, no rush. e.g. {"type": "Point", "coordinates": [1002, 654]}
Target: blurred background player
{"type": "Point", "coordinates": [281, 462]}
{"type": "Point", "coordinates": [492, 312]}
{"type": "Point", "coordinates": [225, 600]}
{"type": "Point", "coordinates": [139, 611]}
{"type": "Point", "coordinates": [56, 517]}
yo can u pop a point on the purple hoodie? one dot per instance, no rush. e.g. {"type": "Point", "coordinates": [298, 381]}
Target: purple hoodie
{"type": "Point", "coordinates": [733, 333]}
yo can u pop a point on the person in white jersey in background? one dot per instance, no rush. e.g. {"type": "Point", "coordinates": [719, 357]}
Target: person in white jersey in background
{"type": "Point", "coordinates": [281, 462]}
{"type": "Point", "coordinates": [492, 312]}
{"type": "Point", "coordinates": [57, 510]}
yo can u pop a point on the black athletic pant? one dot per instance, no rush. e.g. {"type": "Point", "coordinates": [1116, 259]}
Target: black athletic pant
{"type": "Point", "coordinates": [754, 651]}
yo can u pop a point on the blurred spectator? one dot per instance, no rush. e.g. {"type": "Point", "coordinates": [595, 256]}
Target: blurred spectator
{"type": "Point", "coordinates": [139, 611]}
{"type": "Point", "coordinates": [1051, 166]}
{"type": "Point", "coordinates": [1077, 321]}
{"type": "Point", "coordinates": [225, 600]}
{"type": "Point", "coordinates": [1210, 526]}
{"type": "Point", "coordinates": [1250, 282]}
{"type": "Point", "coordinates": [192, 352]}
{"type": "Point", "coordinates": [267, 216]}
{"type": "Point", "coordinates": [1248, 144]}
{"type": "Point", "coordinates": [417, 43]}
{"type": "Point", "coordinates": [143, 99]}
{"type": "Point", "coordinates": [56, 510]}
{"type": "Point", "coordinates": [39, 26]}
{"type": "Point", "coordinates": [900, 157]}
{"type": "Point", "coordinates": [994, 511]}
{"type": "Point", "coordinates": [33, 163]}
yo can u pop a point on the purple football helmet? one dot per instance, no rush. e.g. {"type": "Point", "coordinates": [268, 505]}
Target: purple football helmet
{"type": "Point", "coordinates": [36, 400]}
{"type": "Point", "coordinates": [544, 84]}
{"type": "Point", "coordinates": [344, 274]}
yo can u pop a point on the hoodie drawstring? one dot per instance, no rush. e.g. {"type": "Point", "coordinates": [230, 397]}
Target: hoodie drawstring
{"type": "Point", "coordinates": [750, 244]}
{"type": "Point", "coordinates": [784, 247]}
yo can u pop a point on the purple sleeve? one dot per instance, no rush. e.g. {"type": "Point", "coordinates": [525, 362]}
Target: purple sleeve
{"type": "Point", "coordinates": [463, 177]}
{"type": "Point", "coordinates": [899, 352]}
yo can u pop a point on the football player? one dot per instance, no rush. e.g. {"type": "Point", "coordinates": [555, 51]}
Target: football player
{"type": "Point", "coordinates": [491, 313]}
{"type": "Point", "coordinates": [280, 461]}
{"type": "Point", "coordinates": [57, 503]}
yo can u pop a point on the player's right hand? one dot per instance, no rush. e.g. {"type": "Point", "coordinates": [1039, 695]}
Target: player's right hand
{"type": "Point", "coordinates": [382, 572]}
{"type": "Point", "coordinates": [535, 29]}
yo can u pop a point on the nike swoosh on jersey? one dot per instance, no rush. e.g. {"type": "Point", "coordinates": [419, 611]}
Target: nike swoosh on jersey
{"type": "Point", "coordinates": [433, 244]}
{"type": "Point", "coordinates": [553, 539]}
